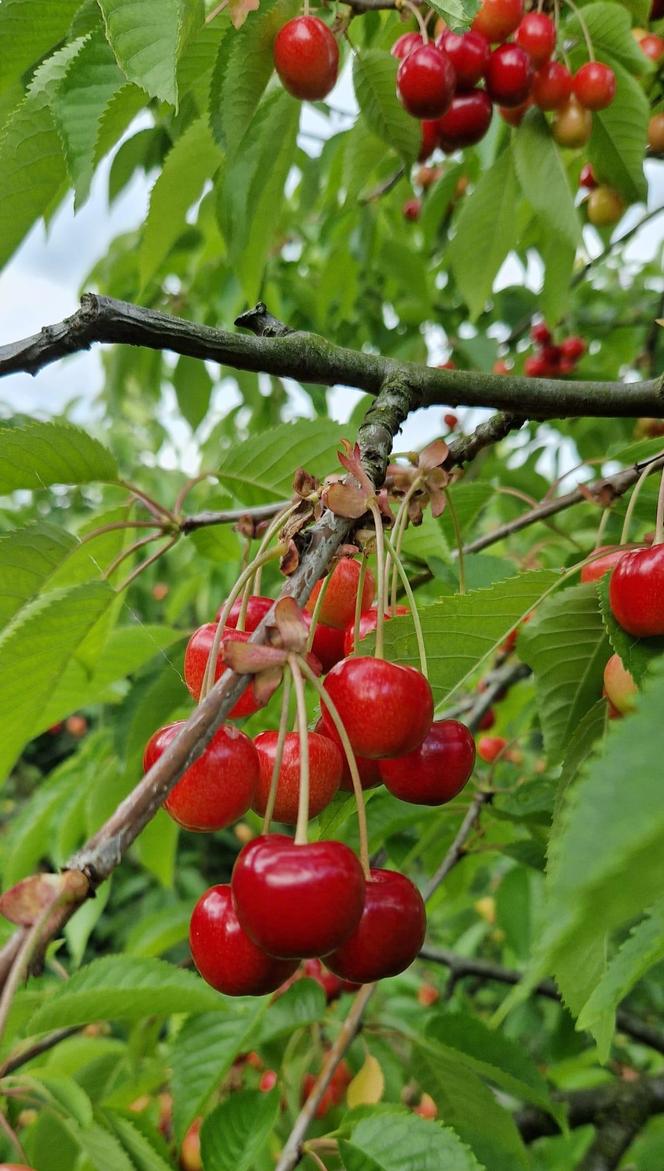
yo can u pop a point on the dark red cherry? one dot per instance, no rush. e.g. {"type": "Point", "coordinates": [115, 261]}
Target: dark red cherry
{"type": "Point", "coordinates": [552, 86]}
{"type": "Point", "coordinates": [573, 348]}
{"type": "Point", "coordinates": [514, 115]}
{"type": "Point", "coordinates": [636, 592]}
{"type": "Point", "coordinates": [306, 57]}
{"type": "Point", "coordinates": [509, 75]}
{"type": "Point", "coordinates": [594, 85]}
{"type": "Point", "coordinates": [257, 608]}
{"type": "Point", "coordinates": [225, 955]}
{"type": "Point", "coordinates": [216, 789]}
{"type": "Point", "coordinates": [328, 643]}
{"type": "Point", "coordinates": [195, 662]}
{"type": "Point", "coordinates": [332, 986]}
{"type": "Point", "coordinates": [541, 334]}
{"type": "Point", "coordinates": [387, 710]}
{"type": "Point", "coordinates": [405, 45]}
{"type": "Point", "coordinates": [535, 366]}
{"type": "Point", "coordinates": [368, 623]}
{"type": "Point", "coordinates": [490, 747]}
{"type": "Point", "coordinates": [436, 771]}
{"type": "Point", "coordinates": [537, 35]}
{"type": "Point", "coordinates": [338, 605]}
{"type": "Point", "coordinates": [610, 556]}
{"type": "Point", "coordinates": [469, 53]}
{"type": "Point", "coordinates": [297, 901]}
{"type": "Point", "coordinates": [429, 139]}
{"type": "Point", "coordinates": [389, 934]}
{"type": "Point", "coordinates": [325, 767]}
{"type": "Point", "coordinates": [425, 82]}
{"type": "Point", "coordinates": [368, 769]}
{"type": "Point", "coordinates": [496, 19]}
{"type": "Point", "coordinates": [466, 121]}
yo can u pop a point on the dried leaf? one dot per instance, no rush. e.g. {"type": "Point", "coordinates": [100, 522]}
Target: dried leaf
{"type": "Point", "coordinates": [293, 630]}
{"type": "Point", "coordinates": [344, 500]}
{"type": "Point", "coordinates": [290, 560]}
{"type": "Point", "coordinates": [24, 903]}
{"type": "Point", "coordinates": [266, 683]}
{"type": "Point", "coordinates": [240, 9]}
{"type": "Point", "coordinates": [246, 658]}
{"type": "Point", "coordinates": [433, 455]}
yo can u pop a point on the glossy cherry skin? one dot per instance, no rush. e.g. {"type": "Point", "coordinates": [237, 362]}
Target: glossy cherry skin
{"type": "Point", "coordinates": [429, 139]}
{"type": "Point", "coordinates": [537, 35]}
{"type": "Point", "coordinates": [405, 45]}
{"type": "Point", "coordinates": [636, 592]}
{"type": "Point", "coordinates": [389, 934]}
{"type": "Point", "coordinates": [306, 57]}
{"type": "Point", "coordinates": [611, 555]}
{"type": "Point", "coordinates": [552, 86]}
{"type": "Point", "coordinates": [219, 787]}
{"type": "Point", "coordinates": [332, 986]}
{"type": "Point", "coordinates": [489, 747]}
{"type": "Point", "coordinates": [496, 19]}
{"type": "Point", "coordinates": [257, 608]}
{"type": "Point", "coordinates": [425, 82]}
{"type": "Point", "coordinates": [619, 686]}
{"type": "Point", "coordinates": [509, 75]}
{"type": "Point", "coordinates": [368, 623]}
{"type": "Point", "coordinates": [325, 767]}
{"type": "Point", "coordinates": [535, 366]}
{"type": "Point", "coordinates": [338, 605]}
{"type": "Point", "coordinates": [469, 53]}
{"type": "Point", "coordinates": [541, 334]}
{"type": "Point", "coordinates": [514, 115]}
{"type": "Point", "coordinates": [436, 771]}
{"type": "Point", "coordinates": [466, 121]}
{"type": "Point", "coordinates": [297, 901]}
{"type": "Point", "coordinates": [328, 643]}
{"type": "Point", "coordinates": [387, 710]}
{"type": "Point", "coordinates": [224, 954]}
{"type": "Point", "coordinates": [195, 662]}
{"type": "Point", "coordinates": [368, 769]}
{"type": "Point", "coordinates": [595, 85]}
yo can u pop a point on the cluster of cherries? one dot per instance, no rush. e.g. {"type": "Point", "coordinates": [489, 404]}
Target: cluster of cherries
{"type": "Point", "coordinates": [287, 900]}
{"type": "Point", "coordinates": [552, 360]}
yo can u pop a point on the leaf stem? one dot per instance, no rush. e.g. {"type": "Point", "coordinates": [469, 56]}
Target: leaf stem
{"type": "Point", "coordinates": [147, 563]}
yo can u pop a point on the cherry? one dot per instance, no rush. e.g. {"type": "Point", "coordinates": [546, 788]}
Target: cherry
{"type": "Point", "coordinates": [429, 139]}
{"type": "Point", "coordinates": [496, 19]}
{"type": "Point", "coordinates": [572, 124]}
{"type": "Point", "coordinates": [387, 710]}
{"type": "Point", "coordinates": [338, 606]}
{"type": "Point", "coordinates": [257, 608]}
{"type": "Point", "coordinates": [636, 592]}
{"type": "Point", "coordinates": [267, 1081]}
{"type": "Point", "coordinates": [426, 1108]}
{"type": "Point", "coordinates": [412, 209]}
{"type": "Point", "coordinates": [306, 57]}
{"type": "Point", "coordinates": [219, 787]}
{"type": "Point", "coordinates": [500, 366]}
{"type": "Point", "coordinates": [605, 207]}
{"type": "Point", "coordinates": [514, 115]}
{"type": "Point", "coordinates": [509, 75]}
{"type": "Point", "coordinates": [536, 366]}
{"type": "Point", "coordinates": [587, 177]}
{"type": "Point", "coordinates": [487, 721]}
{"type": "Point", "coordinates": [469, 53]}
{"type": "Point", "coordinates": [368, 623]}
{"type": "Point", "coordinates": [427, 994]}
{"type": "Point", "coordinates": [328, 643]}
{"type": "Point", "coordinates": [368, 769]}
{"type": "Point", "coordinates": [552, 86]}
{"type": "Point", "coordinates": [425, 82]}
{"type": "Point", "coordinates": [332, 986]}
{"type": "Point", "coordinates": [325, 765]}
{"type": "Point", "coordinates": [451, 421]}
{"type": "Point", "coordinates": [190, 1151]}
{"type": "Point", "coordinates": [489, 747]}
{"type": "Point", "coordinates": [537, 35]}
{"type": "Point", "coordinates": [225, 955]}
{"type": "Point", "coordinates": [656, 133]}
{"type": "Point", "coordinates": [390, 932]}
{"type": "Point", "coordinates": [595, 85]}
{"type": "Point", "coordinates": [436, 771]}
{"type": "Point", "coordinates": [195, 662]}
{"type": "Point", "coordinates": [573, 348]}
{"type": "Point", "coordinates": [466, 121]}
{"type": "Point", "coordinates": [405, 45]}
{"type": "Point", "coordinates": [297, 901]}
{"type": "Point", "coordinates": [619, 686]}
{"type": "Point", "coordinates": [335, 1092]}
{"type": "Point", "coordinates": [653, 47]}
{"type": "Point", "coordinates": [611, 555]}
{"type": "Point", "coordinates": [541, 334]}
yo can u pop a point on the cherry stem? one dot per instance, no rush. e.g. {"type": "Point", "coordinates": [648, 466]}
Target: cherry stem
{"type": "Point", "coordinates": [352, 763]}
{"type": "Point", "coordinates": [186, 489]}
{"type": "Point", "coordinates": [315, 614]}
{"type": "Point", "coordinates": [271, 529]}
{"type": "Point", "coordinates": [636, 491]}
{"type": "Point", "coordinates": [246, 575]}
{"type": "Point", "coordinates": [380, 574]}
{"type": "Point", "coordinates": [419, 18]}
{"type": "Point", "coordinates": [216, 11]}
{"type": "Point", "coordinates": [419, 634]}
{"type": "Point", "coordinates": [301, 836]}
{"type": "Point", "coordinates": [278, 755]}
{"type": "Point", "coordinates": [311, 1154]}
{"type": "Point", "coordinates": [458, 539]}
{"type": "Point", "coordinates": [659, 523]}
{"type": "Point", "coordinates": [601, 528]}
{"type": "Point", "coordinates": [400, 526]}
{"type": "Point", "coordinates": [147, 563]}
{"type": "Point", "coordinates": [158, 510]}
{"type": "Point", "coordinates": [358, 603]}
{"type": "Point", "coordinates": [108, 572]}
{"type": "Point", "coordinates": [117, 525]}
{"type": "Point", "coordinates": [584, 29]}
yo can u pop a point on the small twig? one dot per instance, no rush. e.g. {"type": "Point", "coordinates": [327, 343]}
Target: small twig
{"type": "Point", "coordinates": [23, 1056]}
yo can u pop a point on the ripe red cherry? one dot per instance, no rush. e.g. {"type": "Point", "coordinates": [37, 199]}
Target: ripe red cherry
{"type": "Point", "coordinates": [611, 555]}
{"type": "Point", "coordinates": [325, 767]}
{"type": "Point", "coordinates": [541, 334]}
{"type": "Point", "coordinates": [587, 177]}
{"type": "Point", "coordinates": [496, 19]}
{"type": "Point", "coordinates": [653, 47]}
{"type": "Point", "coordinates": [619, 686]}
{"type": "Point", "coordinates": [636, 592]}
{"type": "Point", "coordinates": [429, 139]}
{"type": "Point", "coordinates": [332, 986]}
{"type": "Point", "coordinates": [328, 643]}
{"type": "Point", "coordinates": [535, 366]}
{"type": "Point", "coordinates": [368, 623]}
{"type": "Point", "coordinates": [469, 53]}
{"type": "Point", "coordinates": [390, 932]}
{"type": "Point", "coordinates": [436, 771]}
{"type": "Point", "coordinates": [573, 348]}
{"type": "Point", "coordinates": [451, 421]}
{"type": "Point", "coordinates": [412, 209]}
{"type": "Point", "coordinates": [552, 86]}
{"type": "Point", "coordinates": [466, 121]}
{"type": "Point", "coordinates": [338, 606]}
{"type": "Point", "coordinates": [368, 769]}
{"type": "Point", "coordinates": [306, 57]}
{"type": "Point", "coordinates": [195, 662]}
{"type": "Point", "coordinates": [225, 955]}
{"type": "Point", "coordinates": [487, 721]}
{"type": "Point", "coordinates": [297, 901]}
{"type": "Point", "coordinates": [405, 45]}
{"type": "Point", "coordinates": [489, 747]}
{"type": "Point", "coordinates": [595, 85]}
{"type": "Point", "coordinates": [514, 115]}
{"type": "Point", "coordinates": [509, 75]}
{"type": "Point", "coordinates": [257, 608]}
{"type": "Point", "coordinates": [216, 789]}
{"type": "Point", "coordinates": [335, 1092]}
{"type": "Point", "coordinates": [387, 710]}
{"type": "Point", "coordinates": [537, 35]}
{"type": "Point", "coordinates": [425, 82]}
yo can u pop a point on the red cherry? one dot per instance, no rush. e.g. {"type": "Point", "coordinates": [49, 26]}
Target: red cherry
{"type": "Point", "coordinates": [334, 1093]}
{"type": "Point", "coordinates": [216, 789]}
{"type": "Point", "coordinates": [466, 121]}
{"type": "Point", "coordinates": [425, 82]}
{"type": "Point", "coordinates": [267, 1081]}
{"type": "Point", "coordinates": [297, 901]}
{"type": "Point", "coordinates": [587, 177]}
{"type": "Point", "coordinates": [573, 348]}
{"type": "Point", "coordinates": [225, 955]}
{"type": "Point", "coordinates": [489, 747]}
{"type": "Point", "coordinates": [328, 643]}
{"type": "Point", "coordinates": [405, 45]}
{"type": "Point", "coordinates": [514, 115]}
{"type": "Point", "coordinates": [552, 86]}
{"type": "Point", "coordinates": [509, 75]}
{"type": "Point", "coordinates": [368, 769]}
{"type": "Point", "coordinates": [436, 771]}
{"type": "Point", "coordinates": [257, 608]}
{"type": "Point", "coordinates": [500, 366]}
{"type": "Point", "coordinates": [469, 53]}
{"type": "Point", "coordinates": [387, 710]}
{"type": "Point", "coordinates": [535, 366]}
{"type": "Point", "coordinates": [338, 605]}
{"type": "Point", "coordinates": [541, 334]}
{"type": "Point", "coordinates": [611, 555]}
{"type": "Point", "coordinates": [390, 932]}
{"type": "Point", "coordinates": [595, 85]}
{"type": "Point", "coordinates": [429, 139]}
{"type": "Point", "coordinates": [195, 662]}
{"type": "Point", "coordinates": [368, 623]}
{"type": "Point", "coordinates": [306, 57]}
{"type": "Point", "coordinates": [412, 209]}
{"type": "Point", "coordinates": [636, 592]}
{"type": "Point", "coordinates": [552, 355]}
{"type": "Point", "coordinates": [487, 721]}
{"type": "Point", "coordinates": [324, 774]}
{"type": "Point", "coordinates": [451, 421]}
{"type": "Point", "coordinates": [653, 47]}
{"type": "Point", "coordinates": [332, 986]}
{"type": "Point", "coordinates": [619, 686]}
{"type": "Point", "coordinates": [496, 19]}
{"type": "Point", "coordinates": [537, 35]}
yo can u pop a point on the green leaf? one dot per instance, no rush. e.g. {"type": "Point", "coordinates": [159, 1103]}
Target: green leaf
{"type": "Point", "coordinates": [405, 1143]}
{"type": "Point", "coordinates": [123, 988]}
{"type": "Point", "coordinates": [302, 1004]}
{"type": "Point", "coordinates": [154, 934]}
{"type": "Point", "coordinates": [457, 13]}
{"type": "Point", "coordinates": [580, 748]}
{"type": "Point", "coordinates": [427, 542]}
{"type": "Point", "coordinates": [374, 78]}
{"type": "Point", "coordinates": [558, 268]}
{"type": "Point", "coordinates": [566, 646]}
{"type": "Point", "coordinates": [28, 557]}
{"type": "Point", "coordinates": [102, 1149]}
{"type": "Point", "coordinates": [469, 501]}
{"type": "Point", "coordinates": [618, 141]}
{"type": "Point", "coordinates": [485, 231]}
{"type": "Point", "coordinates": [610, 30]}
{"type": "Point", "coordinates": [40, 454]}
{"type": "Point", "coordinates": [262, 467]}
{"type": "Point", "coordinates": [145, 38]}
{"type": "Point", "coordinates": [156, 847]}
{"type": "Point", "coordinates": [193, 159]}
{"type": "Point", "coordinates": [142, 1152]}
{"type": "Point", "coordinates": [193, 387]}
{"type": "Point", "coordinates": [543, 178]}
{"type": "Point", "coordinates": [28, 29]}
{"type": "Point", "coordinates": [234, 1134]}
{"type": "Point", "coordinates": [636, 653]}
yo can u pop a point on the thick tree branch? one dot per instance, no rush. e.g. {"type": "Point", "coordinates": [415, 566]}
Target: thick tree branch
{"type": "Point", "coordinates": [634, 1100]}
{"type": "Point", "coordinates": [311, 358]}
